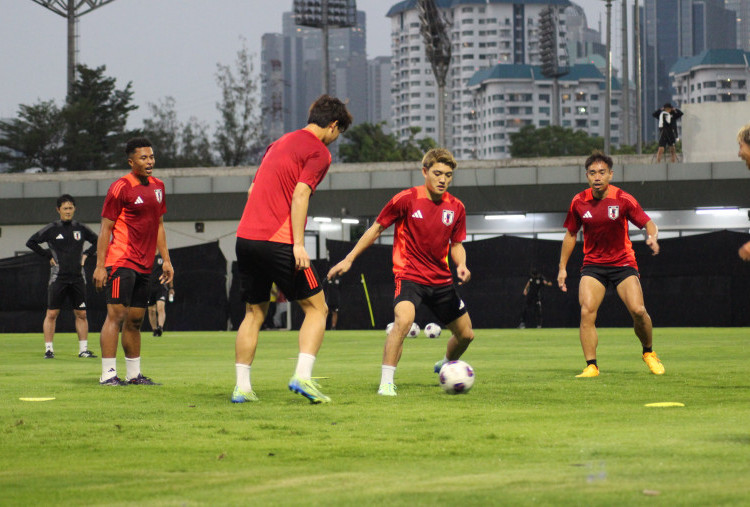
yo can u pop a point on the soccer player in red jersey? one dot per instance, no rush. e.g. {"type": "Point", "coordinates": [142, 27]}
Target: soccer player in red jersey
{"type": "Point", "coordinates": [604, 211]}
{"type": "Point", "coordinates": [743, 139]}
{"type": "Point", "coordinates": [430, 224]}
{"type": "Point", "coordinates": [132, 218]}
{"type": "Point", "coordinates": [271, 244]}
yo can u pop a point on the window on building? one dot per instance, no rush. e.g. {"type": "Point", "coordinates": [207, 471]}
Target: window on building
{"type": "Point", "coordinates": [709, 84]}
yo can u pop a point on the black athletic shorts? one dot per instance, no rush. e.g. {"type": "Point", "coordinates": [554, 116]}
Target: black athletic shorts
{"type": "Point", "coordinates": [261, 263]}
{"type": "Point", "coordinates": [667, 137]}
{"type": "Point", "coordinates": [127, 287]}
{"type": "Point", "coordinates": [609, 274]}
{"type": "Point", "coordinates": [157, 292]}
{"type": "Point", "coordinates": [58, 291]}
{"type": "Point", "coordinates": [442, 300]}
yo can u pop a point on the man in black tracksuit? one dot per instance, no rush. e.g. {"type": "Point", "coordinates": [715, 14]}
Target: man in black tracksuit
{"type": "Point", "coordinates": [65, 238]}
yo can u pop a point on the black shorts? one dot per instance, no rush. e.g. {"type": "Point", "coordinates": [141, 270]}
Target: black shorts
{"type": "Point", "coordinates": [667, 138]}
{"type": "Point", "coordinates": [261, 263]}
{"type": "Point", "coordinates": [442, 300]}
{"type": "Point", "coordinates": [58, 291]}
{"type": "Point", "coordinates": [127, 287]}
{"type": "Point", "coordinates": [157, 292]}
{"type": "Point", "coordinates": [609, 274]}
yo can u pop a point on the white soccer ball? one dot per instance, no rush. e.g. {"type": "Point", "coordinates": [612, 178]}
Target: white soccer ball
{"type": "Point", "coordinates": [414, 331]}
{"type": "Point", "coordinates": [388, 328]}
{"type": "Point", "coordinates": [432, 330]}
{"type": "Point", "coordinates": [456, 377]}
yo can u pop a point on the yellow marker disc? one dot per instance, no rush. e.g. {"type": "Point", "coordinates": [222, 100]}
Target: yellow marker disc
{"type": "Point", "coordinates": [318, 378]}
{"type": "Point", "coordinates": [665, 404]}
{"type": "Point", "coordinates": [36, 399]}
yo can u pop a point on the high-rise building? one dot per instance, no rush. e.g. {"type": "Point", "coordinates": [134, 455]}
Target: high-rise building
{"type": "Point", "coordinates": [714, 75]}
{"type": "Point", "coordinates": [584, 43]}
{"type": "Point", "coordinates": [741, 9]}
{"type": "Point", "coordinates": [671, 29]}
{"type": "Point", "coordinates": [292, 67]}
{"type": "Point", "coordinates": [483, 34]}
{"type": "Point", "coordinates": [379, 91]}
{"type": "Point", "coordinates": [272, 84]}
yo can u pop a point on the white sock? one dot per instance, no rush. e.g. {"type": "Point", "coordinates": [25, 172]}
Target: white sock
{"type": "Point", "coordinates": [109, 368]}
{"type": "Point", "coordinates": [305, 364]}
{"type": "Point", "coordinates": [48, 346]}
{"type": "Point", "coordinates": [243, 377]}
{"type": "Point", "coordinates": [83, 346]}
{"type": "Point", "coordinates": [133, 367]}
{"type": "Point", "coordinates": [386, 374]}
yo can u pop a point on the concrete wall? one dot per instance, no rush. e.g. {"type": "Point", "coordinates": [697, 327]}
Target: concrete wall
{"type": "Point", "coordinates": [709, 130]}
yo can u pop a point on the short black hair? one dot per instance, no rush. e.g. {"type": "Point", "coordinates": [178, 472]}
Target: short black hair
{"type": "Point", "coordinates": [667, 105]}
{"type": "Point", "coordinates": [135, 143]}
{"type": "Point", "coordinates": [65, 198]}
{"type": "Point", "coordinates": [599, 156]}
{"type": "Point", "coordinates": [326, 110]}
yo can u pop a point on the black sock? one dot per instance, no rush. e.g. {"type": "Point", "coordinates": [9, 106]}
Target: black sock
{"type": "Point", "coordinates": [592, 361]}
{"type": "Point", "coordinates": [648, 349]}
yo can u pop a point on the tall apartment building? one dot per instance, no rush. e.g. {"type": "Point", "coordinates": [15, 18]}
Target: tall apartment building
{"type": "Point", "coordinates": [483, 33]}
{"type": "Point", "coordinates": [716, 75]}
{"type": "Point", "coordinates": [510, 97]}
{"type": "Point", "coordinates": [672, 29]}
{"type": "Point", "coordinates": [272, 84]}
{"type": "Point", "coordinates": [584, 43]}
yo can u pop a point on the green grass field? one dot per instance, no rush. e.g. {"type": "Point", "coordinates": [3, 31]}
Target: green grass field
{"type": "Point", "coordinates": [529, 433]}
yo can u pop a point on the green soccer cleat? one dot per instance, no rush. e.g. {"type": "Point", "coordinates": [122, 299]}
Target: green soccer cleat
{"type": "Point", "coordinates": [387, 390]}
{"type": "Point", "coordinates": [309, 389]}
{"type": "Point", "coordinates": [240, 396]}
{"type": "Point", "coordinates": [439, 365]}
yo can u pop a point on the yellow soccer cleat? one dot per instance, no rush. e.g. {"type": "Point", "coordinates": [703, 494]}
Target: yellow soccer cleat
{"type": "Point", "coordinates": [652, 360]}
{"type": "Point", "coordinates": [589, 371]}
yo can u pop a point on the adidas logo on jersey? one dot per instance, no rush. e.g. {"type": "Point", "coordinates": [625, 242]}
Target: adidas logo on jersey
{"type": "Point", "coordinates": [587, 215]}
{"type": "Point", "coordinates": [417, 214]}
{"type": "Point", "coordinates": [59, 236]}
{"type": "Point", "coordinates": [139, 200]}
{"type": "Point", "coordinates": [82, 305]}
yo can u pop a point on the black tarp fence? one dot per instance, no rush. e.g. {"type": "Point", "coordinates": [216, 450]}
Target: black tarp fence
{"type": "Point", "coordinates": [200, 293]}
{"type": "Point", "coordinates": [695, 281]}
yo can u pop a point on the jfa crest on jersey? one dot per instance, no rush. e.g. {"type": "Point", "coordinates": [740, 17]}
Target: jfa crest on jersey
{"type": "Point", "coordinates": [613, 212]}
{"type": "Point", "coordinates": [158, 193]}
{"type": "Point", "coordinates": [448, 216]}
{"type": "Point", "coordinates": [77, 235]}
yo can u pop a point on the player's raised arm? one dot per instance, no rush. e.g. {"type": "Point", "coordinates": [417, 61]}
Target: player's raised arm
{"type": "Point", "coordinates": [367, 239]}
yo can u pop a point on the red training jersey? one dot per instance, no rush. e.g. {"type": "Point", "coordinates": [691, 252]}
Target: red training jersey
{"type": "Point", "coordinates": [424, 232]}
{"type": "Point", "coordinates": [605, 226]}
{"type": "Point", "coordinates": [136, 209]}
{"type": "Point", "coordinates": [296, 157]}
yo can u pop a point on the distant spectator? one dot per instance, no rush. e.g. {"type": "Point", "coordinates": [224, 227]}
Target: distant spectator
{"type": "Point", "coordinates": [743, 138]}
{"type": "Point", "coordinates": [532, 291]}
{"type": "Point", "coordinates": [158, 293]}
{"type": "Point", "coordinates": [333, 299]}
{"type": "Point", "coordinates": [667, 116]}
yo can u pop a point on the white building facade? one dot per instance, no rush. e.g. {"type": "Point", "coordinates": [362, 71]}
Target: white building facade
{"type": "Point", "coordinates": [716, 75]}
{"type": "Point", "coordinates": [483, 33]}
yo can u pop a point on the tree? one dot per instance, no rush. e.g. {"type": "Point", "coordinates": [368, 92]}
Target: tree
{"type": "Point", "coordinates": [34, 139]}
{"type": "Point", "coordinates": [238, 135]}
{"type": "Point", "coordinates": [177, 144]}
{"type": "Point", "coordinates": [552, 141]}
{"type": "Point", "coordinates": [95, 118]}
{"type": "Point", "coordinates": [367, 142]}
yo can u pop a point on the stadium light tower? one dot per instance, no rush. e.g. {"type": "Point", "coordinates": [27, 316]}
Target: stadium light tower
{"type": "Point", "coordinates": [434, 29]}
{"type": "Point", "coordinates": [554, 56]}
{"type": "Point", "coordinates": [325, 14]}
{"type": "Point", "coordinates": [608, 99]}
{"type": "Point", "coordinates": [72, 10]}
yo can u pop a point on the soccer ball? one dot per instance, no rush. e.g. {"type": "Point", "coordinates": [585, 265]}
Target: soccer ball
{"type": "Point", "coordinates": [432, 330]}
{"type": "Point", "coordinates": [388, 328]}
{"type": "Point", "coordinates": [456, 377]}
{"type": "Point", "coordinates": [414, 331]}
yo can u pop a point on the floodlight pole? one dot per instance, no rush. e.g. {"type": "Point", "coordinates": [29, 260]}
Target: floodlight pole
{"type": "Point", "coordinates": [638, 105]}
{"type": "Point", "coordinates": [71, 12]}
{"type": "Point", "coordinates": [326, 58]}
{"type": "Point", "coordinates": [625, 123]}
{"type": "Point", "coordinates": [434, 31]}
{"type": "Point", "coordinates": [608, 99]}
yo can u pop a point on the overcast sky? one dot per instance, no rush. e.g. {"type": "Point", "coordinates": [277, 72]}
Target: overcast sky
{"type": "Point", "coordinates": [165, 47]}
